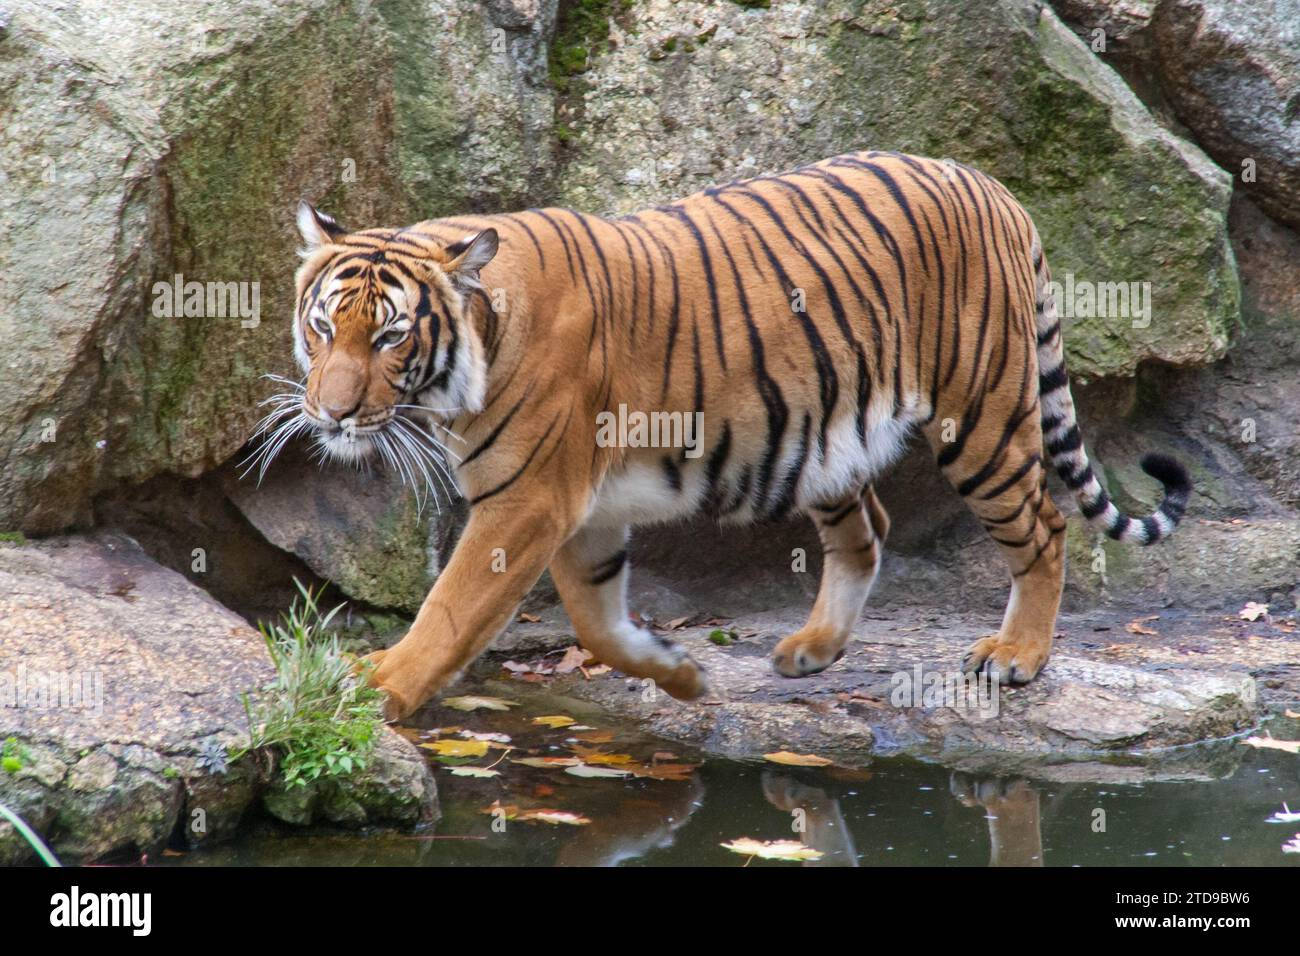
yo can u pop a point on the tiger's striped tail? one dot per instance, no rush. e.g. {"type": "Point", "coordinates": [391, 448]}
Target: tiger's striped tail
{"type": "Point", "coordinates": [1063, 442]}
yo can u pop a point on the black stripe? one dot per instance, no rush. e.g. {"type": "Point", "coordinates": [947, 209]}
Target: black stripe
{"type": "Point", "coordinates": [608, 568]}
{"type": "Point", "coordinates": [520, 470]}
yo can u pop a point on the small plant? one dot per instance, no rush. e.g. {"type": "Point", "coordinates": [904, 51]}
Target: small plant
{"type": "Point", "coordinates": [213, 757]}
{"type": "Point", "coordinates": [11, 756]}
{"type": "Point", "coordinates": [722, 638]}
{"type": "Point", "coordinates": [318, 715]}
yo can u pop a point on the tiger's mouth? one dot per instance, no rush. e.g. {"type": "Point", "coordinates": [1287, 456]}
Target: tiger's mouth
{"type": "Point", "coordinates": [392, 437]}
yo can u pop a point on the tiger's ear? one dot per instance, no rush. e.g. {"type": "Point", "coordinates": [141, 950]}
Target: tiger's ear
{"type": "Point", "coordinates": [466, 257]}
{"type": "Point", "coordinates": [317, 228]}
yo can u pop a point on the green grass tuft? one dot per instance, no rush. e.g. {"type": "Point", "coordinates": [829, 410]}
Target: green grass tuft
{"type": "Point", "coordinates": [320, 717]}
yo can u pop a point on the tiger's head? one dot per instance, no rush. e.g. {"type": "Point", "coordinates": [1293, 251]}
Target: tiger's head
{"type": "Point", "coordinates": [383, 328]}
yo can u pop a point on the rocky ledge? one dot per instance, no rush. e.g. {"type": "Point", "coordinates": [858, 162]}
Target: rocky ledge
{"type": "Point", "coordinates": [1122, 697]}
{"type": "Point", "coordinates": [121, 689]}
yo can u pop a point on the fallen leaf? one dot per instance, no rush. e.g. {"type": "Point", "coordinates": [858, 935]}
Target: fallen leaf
{"type": "Point", "coordinates": [789, 759]}
{"type": "Point", "coordinates": [598, 671]}
{"type": "Point", "coordinates": [1292, 714]}
{"type": "Point", "coordinates": [1253, 611]}
{"type": "Point", "coordinates": [479, 703]}
{"type": "Point", "coordinates": [1285, 815]}
{"type": "Point", "coordinates": [574, 657]}
{"type": "Point", "coordinates": [772, 849]}
{"type": "Point", "coordinates": [547, 763]}
{"type": "Point", "coordinates": [554, 721]}
{"type": "Point", "coordinates": [583, 770]}
{"type": "Point", "coordinates": [663, 771]}
{"type": "Point", "coordinates": [515, 667]}
{"type": "Point", "coordinates": [489, 737]}
{"type": "Point", "coordinates": [474, 772]}
{"type": "Point", "coordinates": [676, 623]}
{"type": "Point", "coordinates": [1136, 627]}
{"type": "Point", "coordinates": [601, 757]}
{"type": "Point", "coordinates": [529, 618]}
{"type": "Point", "coordinates": [553, 817]}
{"type": "Point", "coordinates": [596, 736]}
{"type": "Point", "coordinates": [457, 748]}
{"type": "Point", "coordinates": [1268, 743]}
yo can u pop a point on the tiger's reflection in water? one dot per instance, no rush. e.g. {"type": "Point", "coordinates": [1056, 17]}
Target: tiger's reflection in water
{"type": "Point", "coordinates": [1011, 807]}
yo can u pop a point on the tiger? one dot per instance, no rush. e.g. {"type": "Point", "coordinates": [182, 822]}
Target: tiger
{"type": "Point", "coordinates": [812, 322]}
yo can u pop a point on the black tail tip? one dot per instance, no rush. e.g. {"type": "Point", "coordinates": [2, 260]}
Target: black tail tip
{"type": "Point", "coordinates": [1169, 472]}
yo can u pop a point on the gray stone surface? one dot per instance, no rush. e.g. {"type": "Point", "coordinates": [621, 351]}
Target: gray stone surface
{"type": "Point", "coordinates": [1112, 705]}
{"type": "Point", "coordinates": [161, 668]}
{"type": "Point", "coordinates": [693, 94]}
{"type": "Point", "coordinates": [1228, 71]}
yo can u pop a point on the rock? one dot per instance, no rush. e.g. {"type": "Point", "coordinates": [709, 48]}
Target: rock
{"type": "Point", "coordinates": [1229, 73]}
{"type": "Point", "coordinates": [1109, 706]}
{"type": "Point", "coordinates": [1003, 86]}
{"type": "Point", "coordinates": [363, 531]}
{"type": "Point", "coordinates": [149, 141]}
{"type": "Point", "coordinates": [1232, 72]}
{"type": "Point", "coordinates": [1120, 20]}
{"type": "Point", "coordinates": [396, 789]}
{"type": "Point", "coordinates": [472, 112]}
{"type": "Point", "coordinates": [124, 173]}
{"type": "Point", "coordinates": [118, 676]}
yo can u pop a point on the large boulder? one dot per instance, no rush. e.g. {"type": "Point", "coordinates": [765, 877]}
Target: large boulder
{"type": "Point", "coordinates": [688, 94]}
{"type": "Point", "coordinates": [117, 679]}
{"type": "Point", "coordinates": [155, 140]}
{"type": "Point", "coordinates": [1227, 71]}
{"type": "Point", "coordinates": [366, 532]}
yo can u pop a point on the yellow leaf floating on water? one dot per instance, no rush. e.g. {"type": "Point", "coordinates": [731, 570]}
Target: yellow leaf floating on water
{"type": "Point", "coordinates": [474, 772]}
{"type": "Point", "coordinates": [554, 721]}
{"type": "Point", "coordinates": [788, 759]}
{"type": "Point", "coordinates": [457, 748]}
{"type": "Point", "coordinates": [1268, 743]}
{"type": "Point", "coordinates": [553, 817]}
{"type": "Point", "coordinates": [583, 770]}
{"type": "Point", "coordinates": [548, 763]}
{"type": "Point", "coordinates": [772, 849]}
{"type": "Point", "coordinates": [478, 703]}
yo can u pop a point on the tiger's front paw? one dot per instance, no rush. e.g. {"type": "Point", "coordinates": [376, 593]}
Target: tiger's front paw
{"type": "Point", "coordinates": [1006, 659]}
{"type": "Point", "coordinates": [399, 701]}
{"type": "Point", "coordinates": [808, 651]}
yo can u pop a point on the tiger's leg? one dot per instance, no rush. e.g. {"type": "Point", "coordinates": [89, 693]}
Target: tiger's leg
{"type": "Point", "coordinates": [591, 572]}
{"type": "Point", "coordinates": [853, 535]}
{"type": "Point", "coordinates": [1008, 494]}
{"type": "Point", "coordinates": [503, 550]}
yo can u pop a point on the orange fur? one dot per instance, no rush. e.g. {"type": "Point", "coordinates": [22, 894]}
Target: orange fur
{"type": "Point", "coordinates": [813, 320]}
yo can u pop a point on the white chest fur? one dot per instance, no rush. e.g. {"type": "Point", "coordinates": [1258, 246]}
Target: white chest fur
{"type": "Point", "coordinates": [644, 491]}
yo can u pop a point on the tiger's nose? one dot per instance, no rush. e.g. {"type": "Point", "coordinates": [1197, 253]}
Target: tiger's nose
{"type": "Point", "coordinates": [336, 413]}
